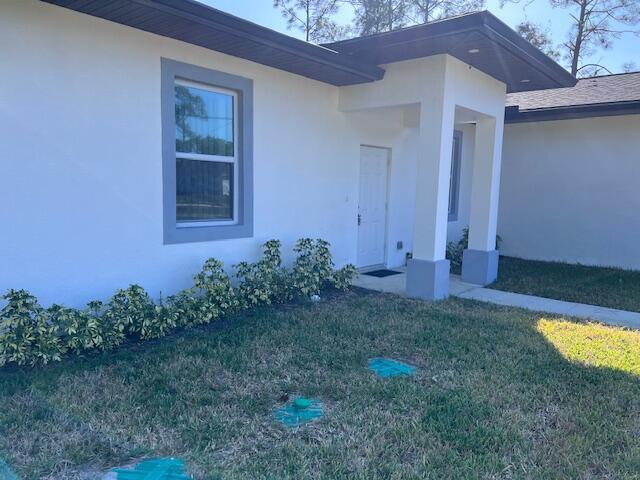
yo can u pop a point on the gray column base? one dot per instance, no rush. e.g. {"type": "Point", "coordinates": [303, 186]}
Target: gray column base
{"type": "Point", "coordinates": [480, 267]}
{"type": "Point", "coordinates": [428, 280]}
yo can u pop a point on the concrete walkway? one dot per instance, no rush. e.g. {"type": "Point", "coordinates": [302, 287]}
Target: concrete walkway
{"type": "Point", "coordinates": [396, 284]}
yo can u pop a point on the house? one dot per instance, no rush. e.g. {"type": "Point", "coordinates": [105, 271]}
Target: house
{"type": "Point", "coordinates": [140, 137]}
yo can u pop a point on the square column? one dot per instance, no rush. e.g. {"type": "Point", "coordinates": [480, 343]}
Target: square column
{"type": "Point", "coordinates": [480, 260]}
{"type": "Point", "coordinates": [428, 270]}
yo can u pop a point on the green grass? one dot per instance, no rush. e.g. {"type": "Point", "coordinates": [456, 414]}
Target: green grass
{"type": "Point", "coordinates": [500, 394]}
{"type": "Point", "coordinates": [607, 287]}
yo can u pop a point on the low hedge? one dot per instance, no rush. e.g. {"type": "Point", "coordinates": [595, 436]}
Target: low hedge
{"type": "Point", "coordinates": [33, 335]}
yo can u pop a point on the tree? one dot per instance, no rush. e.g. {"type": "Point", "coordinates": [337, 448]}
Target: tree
{"type": "Point", "coordinates": [314, 18]}
{"type": "Point", "coordinates": [596, 23]}
{"type": "Point", "coordinates": [629, 67]}
{"type": "Point", "coordinates": [424, 11]}
{"type": "Point", "coordinates": [538, 37]}
{"type": "Point", "coordinates": [376, 16]}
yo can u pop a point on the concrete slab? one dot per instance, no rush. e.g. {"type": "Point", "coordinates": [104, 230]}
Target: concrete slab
{"type": "Point", "coordinates": [396, 284]}
{"type": "Point", "coordinates": [609, 316]}
{"type": "Point", "coordinates": [392, 284]}
{"type": "Point", "coordinates": [457, 286]}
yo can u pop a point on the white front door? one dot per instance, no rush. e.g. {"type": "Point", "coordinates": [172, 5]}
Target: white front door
{"type": "Point", "coordinates": [372, 206]}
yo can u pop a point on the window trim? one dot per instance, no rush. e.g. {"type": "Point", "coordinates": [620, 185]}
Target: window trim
{"type": "Point", "coordinates": [242, 88]}
{"type": "Point", "coordinates": [456, 167]}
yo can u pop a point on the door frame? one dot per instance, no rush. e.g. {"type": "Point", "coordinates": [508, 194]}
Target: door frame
{"type": "Point", "coordinates": [386, 206]}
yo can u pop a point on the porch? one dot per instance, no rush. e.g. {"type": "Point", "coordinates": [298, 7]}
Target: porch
{"type": "Point", "coordinates": [428, 103]}
{"type": "Point", "coordinates": [397, 284]}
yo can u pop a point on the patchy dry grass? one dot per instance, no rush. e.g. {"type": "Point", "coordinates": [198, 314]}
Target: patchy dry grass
{"type": "Point", "coordinates": [500, 394]}
{"type": "Point", "coordinates": [607, 287]}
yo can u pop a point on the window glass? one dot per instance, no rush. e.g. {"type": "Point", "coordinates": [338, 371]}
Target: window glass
{"type": "Point", "coordinates": [454, 178]}
{"type": "Point", "coordinates": [204, 121]}
{"type": "Point", "coordinates": [204, 190]}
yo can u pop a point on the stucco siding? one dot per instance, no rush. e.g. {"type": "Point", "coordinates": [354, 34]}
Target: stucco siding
{"type": "Point", "coordinates": [81, 158]}
{"type": "Point", "coordinates": [570, 191]}
{"type": "Point", "coordinates": [81, 163]}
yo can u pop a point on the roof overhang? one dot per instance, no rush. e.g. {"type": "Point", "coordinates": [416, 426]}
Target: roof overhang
{"type": "Point", "coordinates": [513, 114]}
{"type": "Point", "coordinates": [478, 39]}
{"type": "Point", "coordinates": [199, 24]}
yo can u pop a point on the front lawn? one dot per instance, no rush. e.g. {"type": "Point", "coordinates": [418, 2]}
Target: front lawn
{"type": "Point", "coordinates": [500, 394]}
{"type": "Point", "coordinates": [607, 287]}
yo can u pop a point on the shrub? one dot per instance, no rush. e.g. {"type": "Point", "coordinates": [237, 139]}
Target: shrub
{"type": "Point", "coordinates": [164, 319]}
{"type": "Point", "coordinates": [110, 334]}
{"type": "Point", "coordinates": [185, 306]}
{"type": "Point", "coordinates": [130, 312]}
{"type": "Point", "coordinates": [263, 282]}
{"type": "Point", "coordinates": [313, 267]}
{"type": "Point", "coordinates": [217, 294]}
{"type": "Point", "coordinates": [454, 253]}
{"type": "Point", "coordinates": [30, 334]}
{"type": "Point", "coordinates": [455, 250]}
{"type": "Point", "coordinates": [26, 335]}
{"type": "Point", "coordinates": [342, 278]}
{"type": "Point", "coordinates": [80, 331]}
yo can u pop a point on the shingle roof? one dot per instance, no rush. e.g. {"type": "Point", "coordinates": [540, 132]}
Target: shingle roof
{"type": "Point", "coordinates": [624, 87]}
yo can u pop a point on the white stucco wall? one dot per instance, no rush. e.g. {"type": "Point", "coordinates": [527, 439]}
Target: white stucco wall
{"type": "Point", "coordinates": [437, 92]}
{"type": "Point", "coordinates": [81, 166]}
{"type": "Point", "coordinates": [570, 191]}
{"type": "Point", "coordinates": [80, 158]}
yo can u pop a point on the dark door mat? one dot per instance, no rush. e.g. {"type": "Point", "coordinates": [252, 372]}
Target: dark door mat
{"type": "Point", "coordinates": [382, 273]}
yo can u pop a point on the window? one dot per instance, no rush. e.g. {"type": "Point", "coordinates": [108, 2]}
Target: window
{"type": "Point", "coordinates": [454, 179]}
{"type": "Point", "coordinates": [207, 167]}
{"type": "Point", "coordinates": [205, 154]}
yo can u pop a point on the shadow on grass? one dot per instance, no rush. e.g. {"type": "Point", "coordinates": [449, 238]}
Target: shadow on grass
{"type": "Point", "coordinates": [496, 396]}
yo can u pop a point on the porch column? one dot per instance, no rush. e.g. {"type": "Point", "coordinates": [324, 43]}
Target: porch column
{"type": "Point", "coordinates": [480, 260]}
{"type": "Point", "coordinates": [428, 271]}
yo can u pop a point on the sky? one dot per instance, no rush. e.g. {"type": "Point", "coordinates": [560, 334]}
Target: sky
{"type": "Point", "coordinates": [626, 49]}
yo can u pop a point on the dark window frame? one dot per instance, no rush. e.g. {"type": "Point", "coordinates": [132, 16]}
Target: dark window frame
{"type": "Point", "coordinates": [456, 167]}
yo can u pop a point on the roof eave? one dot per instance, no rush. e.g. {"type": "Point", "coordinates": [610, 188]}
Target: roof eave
{"type": "Point", "coordinates": [519, 46]}
{"type": "Point", "coordinates": [483, 23]}
{"type": "Point", "coordinates": [514, 115]}
{"type": "Point", "coordinates": [257, 33]}
{"type": "Point", "coordinates": [219, 21]}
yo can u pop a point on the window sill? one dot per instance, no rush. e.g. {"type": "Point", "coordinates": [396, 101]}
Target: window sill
{"type": "Point", "coordinates": [222, 223]}
{"type": "Point", "coordinates": [207, 233]}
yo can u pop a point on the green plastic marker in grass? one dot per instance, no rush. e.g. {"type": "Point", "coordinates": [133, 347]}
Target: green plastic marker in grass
{"type": "Point", "coordinates": [387, 367]}
{"type": "Point", "coordinates": [158, 469]}
{"type": "Point", "coordinates": [6, 473]}
{"type": "Point", "coordinates": [300, 411]}
{"type": "Point", "coordinates": [301, 403]}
